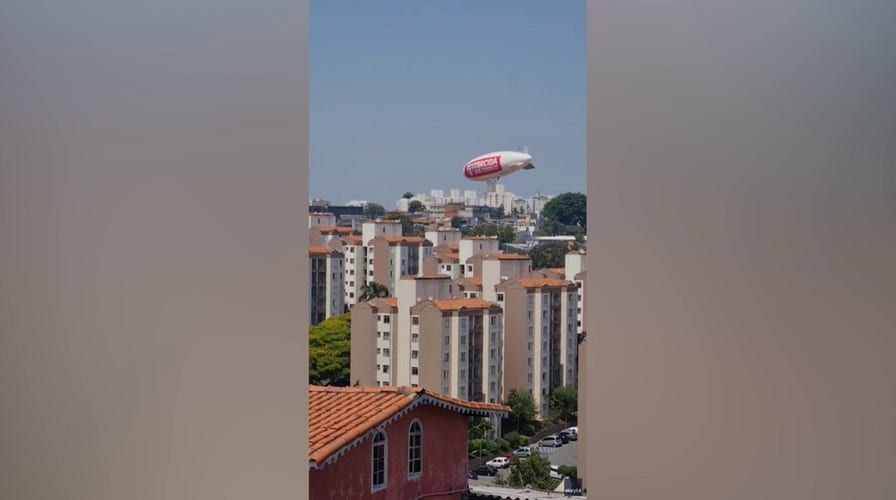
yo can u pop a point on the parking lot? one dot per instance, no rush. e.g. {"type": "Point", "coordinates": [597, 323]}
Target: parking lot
{"type": "Point", "coordinates": [564, 455]}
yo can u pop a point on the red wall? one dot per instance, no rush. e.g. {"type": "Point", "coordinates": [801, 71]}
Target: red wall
{"type": "Point", "coordinates": [444, 461]}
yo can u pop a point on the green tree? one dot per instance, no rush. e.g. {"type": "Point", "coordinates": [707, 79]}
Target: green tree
{"type": "Point", "coordinates": [551, 253]}
{"type": "Point", "coordinates": [506, 234]}
{"type": "Point", "coordinates": [415, 206]}
{"type": "Point", "coordinates": [568, 470]}
{"type": "Point", "coordinates": [374, 211]}
{"type": "Point", "coordinates": [457, 222]}
{"type": "Point", "coordinates": [564, 402]}
{"type": "Point", "coordinates": [373, 290]}
{"type": "Point", "coordinates": [535, 471]}
{"type": "Point", "coordinates": [407, 195]}
{"type": "Point", "coordinates": [567, 209]}
{"type": "Point", "coordinates": [478, 432]}
{"type": "Point", "coordinates": [329, 351]}
{"type": "Point", "coordinates": [522, 405]}
{"type": "Point", "coordinates": [407, 226]}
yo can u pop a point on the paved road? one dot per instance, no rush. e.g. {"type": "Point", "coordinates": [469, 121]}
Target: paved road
{"type": "Point", "coordinates": [564, 455]}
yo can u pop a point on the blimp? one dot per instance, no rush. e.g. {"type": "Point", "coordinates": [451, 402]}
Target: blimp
{"type": "Point", "coordinates": [492, 166]}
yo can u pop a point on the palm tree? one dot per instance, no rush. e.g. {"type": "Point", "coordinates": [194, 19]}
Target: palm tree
{"type": "Point", "coordinates": [480, 428]}
{"type": "Point", "coordinates": [373, 290]}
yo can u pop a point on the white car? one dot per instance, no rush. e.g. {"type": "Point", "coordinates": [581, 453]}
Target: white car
{"type": "Point", "coordinates": [499, 462]}
{"type": "Point", "coordinates": [523, 452]}
{"type": "Point", "coordinates": [574, 431]}
{"type": "Point", "coordinates": [555, 473]}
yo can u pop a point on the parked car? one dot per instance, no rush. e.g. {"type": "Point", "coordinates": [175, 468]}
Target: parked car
{"type": "Point", "coordinates": [573, 433]}
{"type": "Point", "coordinates": [551, 441]}
{"type": "Point", "coordinates": [523, 452]}
{"type": "Point", "coordinates": [499, 462]}
{"type": "Point", "coordinates": [555, 473]}
{"type": "Point", "coordinates": [564, 436]}
{"type": "Point", "coordinates": [483, 470]}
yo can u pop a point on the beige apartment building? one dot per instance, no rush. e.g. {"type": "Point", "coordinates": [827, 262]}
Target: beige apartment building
{"type": "Point", "coordinates": [539, 336]}
{"type": "Point", "coordinates": [457, 348]}
{"type": "Point", "coordinates": [391, 257]}
{"type": "Point", "coordinates": [373, 340]}
{"type": "Point", "coordinates": [327, 278]}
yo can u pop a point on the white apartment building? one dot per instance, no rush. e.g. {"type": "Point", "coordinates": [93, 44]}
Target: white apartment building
{"type": "Point", "coordinates": [327, 278]}
{"type": "Point", "coordinates": [373, 340]}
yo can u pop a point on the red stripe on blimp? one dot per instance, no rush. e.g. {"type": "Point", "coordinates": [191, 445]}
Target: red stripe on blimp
{"type": "Point", "coordinates": [483, 166]}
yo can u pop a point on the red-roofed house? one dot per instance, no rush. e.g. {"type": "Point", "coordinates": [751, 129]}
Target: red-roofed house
{"type": "Point", "coordinates": [389, 443]}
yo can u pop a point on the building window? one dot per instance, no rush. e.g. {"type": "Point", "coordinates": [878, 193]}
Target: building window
{"type": "Point", "coordinates": [415, 338]}
{"type": "Point", "coordinates": [386, 352]}
{"type": "Point", "coordinates": [386, 319]}
{"type": "Point", "coordinates": [415, 370]}
{"type": "Point", "coordinates": [385, 335]}
{"type": "Point", "coordinates": [500, 297]}
{"type": "Point", "coordinates": [378, 468]}
{"type": "Point", "coordinates": [445, 376]}
{"type": "Point", "coordinates": [463, 340]}
{"type": "Point", "coordinates": [446, 357]}
{"type": "Point", "coordinates": [415, 320]}
{"type": "Point", "coordinates": [414, 354]}
{"type": "Point", "coordinates": [494, 318]}
{"type": "Point", "coordinates": [447, 340]}
{"type": "Point", "coordinates": [463, 356]}
{"type": "Point", "coordinates": [415, 449]}
{"type": "Point", "coordinates": [492, 354]}
{"type": "Point", "coordinates": [385, 368]}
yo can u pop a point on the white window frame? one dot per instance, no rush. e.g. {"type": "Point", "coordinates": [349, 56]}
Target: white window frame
{"type": "Point", "coordinates": [415, 475]}
{"type": "Point", "coordinates": [385, 444]}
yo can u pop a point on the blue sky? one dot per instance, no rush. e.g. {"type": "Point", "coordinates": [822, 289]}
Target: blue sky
{"type": "Point", "coordinates": [403, 93]}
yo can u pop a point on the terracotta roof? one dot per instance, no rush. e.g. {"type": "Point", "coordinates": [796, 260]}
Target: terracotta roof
{"type": "Point", "coordinates": [431, 277]}
{"type": "Point", "coordinates": [506, 256]}
{"type": "Point", "coordinates": [458, 304]}
{"type": "Point", "coordinates": [449, 257]}
{"type": "Point", "coordinates": [339, 417]}
{"type": "Point", "coordinates": [318, 250]}
{"type": "Point", "coordinates": [354, 240]}
{"type": "Point", "coordinates": [542, 282]}
{"type": "Point", "coordinates": [413, 240]}
{"type": "Point", "coordinates": [336, 229]}
{"type": "Point", "coordinates": [392, 301]}
{"type": "Point", "coordinates": [475, 280]}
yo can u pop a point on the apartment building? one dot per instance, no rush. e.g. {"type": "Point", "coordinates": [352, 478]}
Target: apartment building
{"type": "Point", "coordinates": [540, 336]}
{"type": "Point", "coordinates": [372, 229]}
{"type": "Point", "coordinates": [457, 347]}
{"type": "Point", "coordinates": [468, 247]}
{"type": "Point", "coordinates": [327, 279]}
{"type": "Point", "coordinates": [443, 236]}
{"type": "Point", "coordinates": [326, 219]}
{"type": "Point", "coordinates": [496, 268]}
{"type": "Point", "coordinates": [391, 257]}
{"type": "Point", "coordinates": [354, 264]}
{"type": "Point", "coordinates": [374, 335]}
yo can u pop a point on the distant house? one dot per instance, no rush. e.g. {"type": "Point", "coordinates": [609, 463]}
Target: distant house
{"type": "Point", "coordinates": [389, 442]}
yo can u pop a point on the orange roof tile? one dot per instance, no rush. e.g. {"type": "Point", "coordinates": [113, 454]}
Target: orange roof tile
{"type": "Point", "coordinates": [340, 416]}
{"type": "Point", "coordinates": [458, 304]}
{"type": "Point", "coordinates": [542, 282]}
{"type": "Point", "coordinates": [507, 256]}
{"type": "Point", "coordinates": [318, 250]}
{"type": "Point", "coordinates": [354, 239]}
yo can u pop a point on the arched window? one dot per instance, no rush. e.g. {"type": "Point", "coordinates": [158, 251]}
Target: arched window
{"type": "Point", "coordinates": [415, 449]}
{"type": "Point", "coordinates": [378, 469]}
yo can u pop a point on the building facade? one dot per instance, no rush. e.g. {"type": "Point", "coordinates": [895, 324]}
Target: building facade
{"type": "Point", "coordinates": [389, 443]}
{"type": "Point", "coordinates": [327, 278]}
{"type": "Point", "coordinates": [540, 336]}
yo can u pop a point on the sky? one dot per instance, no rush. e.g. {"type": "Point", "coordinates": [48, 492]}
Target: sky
{"type": "Point", "coordinates": [404, 93]}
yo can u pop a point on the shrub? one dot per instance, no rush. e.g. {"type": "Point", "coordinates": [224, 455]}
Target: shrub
{"type": "Point", "coordinates": [568, 470]}
{"type": "Point", "coordinates": [502, 444]}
